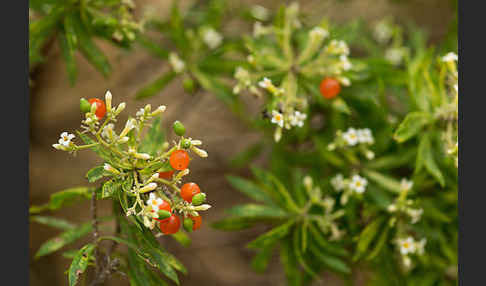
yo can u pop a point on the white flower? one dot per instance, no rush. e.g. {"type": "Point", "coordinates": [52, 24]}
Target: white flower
{"type": "Point", "coordinates": [177, 64]}
{"type": "Point", "coordinates": [407, 262]}
{"type": "Point", "coordinates": [351, 137]}
{"type": "Point", "coordinates": [259, 30]}
{"type": "Point", "coordinates": [338, 182]}
{"type": "Point", "coordinates": [406, 185]}
{"type": "Point", "coordinates": [392, 208]}
{"type": "Point", "coordinates": [318, 33]}
{"type": "Point", "coordinates": [415, 214]}
{"type": "Point", "coordinates": [365, 136]}
{"type": "Point", "coordinates": [154, 202]}
{"type": "Point", "coordinates": [421, 246]}
{"type": "Point", "coordinates": [456, 87]}
{"type": "Point", "coordinates": [346, 64]}
{"type": "Point", "coordinates": [450, 57]}
{"type": "Point", "coordinates": [407, 245]}
{"type": "Point", "coordinates": [265, 83]}
{"type": "Point", "coordinates": [382, 32]}
{"type": "Point", "coordinates": [259, 12]}
{"type": "Point", "coordinates": [277, 118]}
{"type": "Point", "coordinates": [338, 47]}
{"type": "Point", "coordinates": [140, 112]}
{"type": "Point", "coordinates": [297, 119]}
{"type": "Point", "coordinates": [65, 139]}
{"type": "Point", "coordinates": [358, 184]}
{"type": "Point", "coordinates": [395, 55]}
{"type": "Point", "coordinates": [128, 126]}
{"type": "Point", "coordinates": [108, 130]}
{"type": "Point", "coordinates": [212, 38]}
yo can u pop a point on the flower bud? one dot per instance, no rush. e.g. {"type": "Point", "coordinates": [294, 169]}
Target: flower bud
{"type": "Point", "coordinates": [120, 108]}
{"type": "Point", "coordinates": [198, 199]}
{"type": "Point", "coordinates": [159, 110]}
{"type": "Point", "coordinates": [110, 169]}
{"type": "Point", "coordinates": [123, 140]}
{"type": "Point", "coordinates": [108, 98]}
{"type": "Point", "coordinates": [128, 126]}
{"type": "Point", "coordinates": [84, 105]}
{"type": "Point", "coordinates": [188, 224]}
{"type": "Point", "coordinates": [200, 152]}
{"type": "Point", "coordinates": [143, 156]}
{"type": "Point", "coordinates": [93, 107]}
{"type": "Point", "coordinates": [147, 188]}
{"type": "Point", "coordinates": [163, 214]}
{"type": "Point", "coordinates": [202, 207]}
{"type": "Point", "coordinates": [179, 128]}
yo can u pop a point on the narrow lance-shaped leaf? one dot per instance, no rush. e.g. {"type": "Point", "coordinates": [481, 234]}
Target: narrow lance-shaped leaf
{"type": "Point", "coordinates": [53, 222]}
{"type": "Point", "coordinates": [272, 235]}
{"type": "Point", "coordinates": [411, 125]}
{"type": "Point", "coordinates": [64, 239]}
{"type": "Point", "coordinates": [63, 198]}
{"type": "Point", "coordinates": [425, 158]}
{"type": "Point", "coordinates": [80, 263]}
{"type": "Point", "coordinates": [156, 86]}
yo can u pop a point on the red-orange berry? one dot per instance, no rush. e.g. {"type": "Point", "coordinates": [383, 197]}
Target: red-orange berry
{"type": "Point", "coordinates": [188, 191]}
{"type": "Point", "coordinates": [170, 225]}
{"type": "Point", "coordinates": [197, 220]}
{"type": "Point", "coordinates": [179, 160]}
{"type": "Point", "coordinates": [100, 107]}
{"type": "Point", "coordinates": [330, 88]}
{"type": "Point", "coordinates": [166, 175]}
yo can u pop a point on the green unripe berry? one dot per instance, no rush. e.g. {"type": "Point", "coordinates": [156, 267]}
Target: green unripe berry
{"type": "Point", "coordinates": [188, 85]}
{"type": "Point", "coordinates": [84, 105]}
{"type": "Point", "coordinates": [188, 224]}
{"type": "Point", "coordinates": [198, 199]}
{"type": "Point", "coordinates": [186, 143]}
{"type": "Point", "coordinates": [163, 214]}
{"type": "Point", "coordinates": [179, 128]}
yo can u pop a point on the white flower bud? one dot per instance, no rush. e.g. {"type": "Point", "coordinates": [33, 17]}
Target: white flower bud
{"type": "Point", "coordinates": [159, 110]}
{"type": "Point", "coordinates": [108, 98]}
{"type": "Point", "coordinates": [93, 107]}
{"type": "Point", "coordinates": [147, 188]}
{"type": "Point", "coordinates": [143, 156]}
{"type": "Point", "coordinates": [123, 140]}
{"type": "Point", "coordinates": [155, 176]}
{"type": "Point", "coordinates": [128, 126]}
{"type": "Point", "coordinates": [200, 152]}
{"type": "Point", "coordinates": [120, 108]}
{"type": "Point", "coordinates": [110, 169]}
{"type": "Point", "coordinates": [202, 207]}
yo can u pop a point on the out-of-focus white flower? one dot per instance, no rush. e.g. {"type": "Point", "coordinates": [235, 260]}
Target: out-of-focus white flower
{"type": "Point", "coordinates": [212, 38]}
{"type": "Point", "coordinates": [382, 32]}
{"type": "Point", "coordinates": [346, 64]}
{"type": "Point", "coordinates": [277, 118]}
{"type": "Point", "coordinates": [406, 185]}
{"type": "Point", "coordinates": [351, 136]}
{"type": "Point", "coordinates": [177, 64]}
{"type": "Point", "coordinates": [265, 83]}
{"type": "Point", "coordinates": [318, 33]}
{"type": "Point", "coordinates": [421, 246]}
{"type": "Point", "coordinates": [297, 119]}
{"type": "Point", "coordinates": [392, 208]}
{"type": "Point", "coordinates": [365, 136]}
{"type": "Point", "coordinates": [338, 182]}
{"type": "Point", "coordinates": [65, 139]}
{"type": "Point", "coordinates": [108, 131]}
{"type": "Point", "coordinates": [415, 214]}
{"type": "Point", "coordinates": [259, 12]}
{"type": "Point", "coordinates": [278, 134]}
{"type": "Point", "coordinates": [358, 184]}
{"type": "Point", "coordinates": [395, 55]}
{"type": "Point", "coordinates": [450, 57]}
{"type": "Point", "coordinates": [259, 30]}
{"type": "Point", "coordinates": [407, 245]}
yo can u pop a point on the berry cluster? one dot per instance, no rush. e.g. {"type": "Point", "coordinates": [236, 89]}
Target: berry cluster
{"type": "Point", "coordinates": [144, 173]}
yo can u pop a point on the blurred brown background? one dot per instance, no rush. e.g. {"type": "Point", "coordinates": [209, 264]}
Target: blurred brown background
{"type": "Point", "coordinates": [214, 257]}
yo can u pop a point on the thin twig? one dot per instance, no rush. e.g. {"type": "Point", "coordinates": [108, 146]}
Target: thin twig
{"type": "Point", "coordinates": [95, 235]}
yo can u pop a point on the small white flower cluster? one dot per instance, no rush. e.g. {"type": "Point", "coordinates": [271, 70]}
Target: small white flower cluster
{"type": "Point", "coordinates": [407, 246]}
{"type": "Point", "coordinates": [403, 205]}
{"type": "Point", "coordinates": [211, 37]}
{"type": "Point", "coordinates": [338, 47]}
{"type": "Point", "coordinates": [64, 142]}
{"type": "Point", "coordinates": [296, 118]}
{"type": "Point", "coordinates": [267, 84]}
{"type": "Point", "coordinates": [395, 55]}
{"type": "Point", "coordinates": [177, 64]}
{"type": "Point", "coordinates": [354, 136]}
{"type": "Point", "coordinates": [450, 57]}
{"type": "Point", "coordinates": [354, 185]}
{"type": "Point", "coordinates": [383, 31]}
{"type": "Point", "coordinates": [259, 12]}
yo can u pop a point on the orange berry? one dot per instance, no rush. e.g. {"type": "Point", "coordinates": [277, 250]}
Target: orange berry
{"type": "Point", "coordinates": [170, 225]}
{"type": "Point", "coordinates": [100, 107]}
{"type": "Point", "coordinates": [166, 175]}
{"type": "Point", "coordinates": [188, 191]}
{"type": "Point", "coordinates": [330, 88]}
{"type": "Point", "coordinates": [197, 222]}
{"type": "Point", "coordinates": [179, 160]}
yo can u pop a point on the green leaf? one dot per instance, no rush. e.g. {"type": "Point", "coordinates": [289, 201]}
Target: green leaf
{"type": "Point", "coordinates": [340, 105]}
{"type": "Point", "coordinates": [249, 188]}
{"type": "Point", "coordinates": [396, 160]}
{"type": "Point", "coordinates": [110, 188]}
{"type": "Point", "coordinates": [89, 49]}
{"type": "Point", "coordinates": [326, 245]}
{"type": "Point", "coordinates": [330, 261]}
{"type": "Point", "coordinates": [233, 223]}
{"type": "Point", "coordinates": [182, 238]}
{"type": "Point", "coordinates": [95, 174]}
{"type": "Point", "coordinates": [80, 263]}
{"type": "Point", "coordinates": [53, 222]}
{"type": "Point", "coordinates": [272, 235]}
{"type": "Point", "coordinates": [289, 262]}
{"type": "Point", "coordinates": [366, 237]}
{"type": "Point", "coordinates": [379, 245]}
{"type": "Point", "coordinates": [156, 86]}
{"type": "Point", "coordinates": [242, 159]}
{"type": "Point", "coordinates": [64, 239]}
{"type": "Point", "coordinates": [382, 180]}
{"type": "Point", "coordinates": [256, 211]}
{"type": "Point", "coordinates": [68, 51]}
{"type": "Point", "coordinates": [260, 262]}
{"type": "Point", "coordinates": [425, 158]}
{"type": "Point", "coordinates": [413, 123]}
{"type": "Point", "coordinates": [153, 47]}
{"type": "Point", "coordinates": [63, 198]}
{"type": "Point", "coordinates": [153, 141]}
